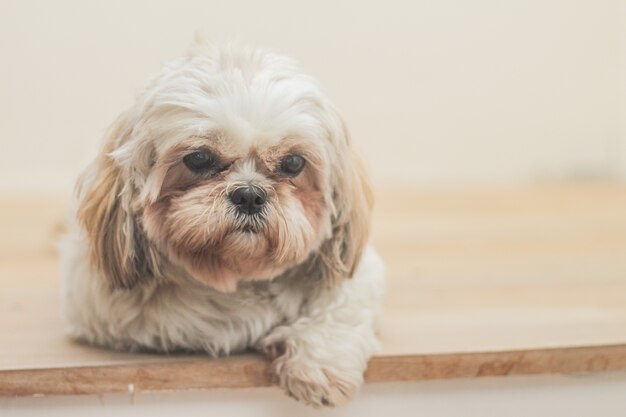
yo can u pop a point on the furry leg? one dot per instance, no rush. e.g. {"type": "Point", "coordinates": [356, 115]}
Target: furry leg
{"type": "Point", "coordinates": [321, 357]}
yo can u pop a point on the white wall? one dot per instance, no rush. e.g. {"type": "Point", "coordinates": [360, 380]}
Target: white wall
{"type": "Point", "coordinates": [622, 94]}
{"type": "Point", "coordinates": [436, 92]}
{"type": "Point", "coordinates": [588, 395]}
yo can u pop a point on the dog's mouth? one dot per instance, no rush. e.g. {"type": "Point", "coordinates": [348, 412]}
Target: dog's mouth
{"type": "Point", "coordinates": [249, 229]}
{"type": "Point", "coordinates": [250, 225]}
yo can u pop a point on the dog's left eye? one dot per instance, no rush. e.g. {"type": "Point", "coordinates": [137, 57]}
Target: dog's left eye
{"type": "Point", "coordinates": [200, 161]}
{"type": "Point", "coordinates": [291, 165]}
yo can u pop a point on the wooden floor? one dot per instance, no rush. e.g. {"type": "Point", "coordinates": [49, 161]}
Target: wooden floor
{"type": "Point", "coordinates": [481, 282]}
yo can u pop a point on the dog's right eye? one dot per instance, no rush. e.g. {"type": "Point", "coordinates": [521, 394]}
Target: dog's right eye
{"type": "Point", "coordinates": [200, 161]}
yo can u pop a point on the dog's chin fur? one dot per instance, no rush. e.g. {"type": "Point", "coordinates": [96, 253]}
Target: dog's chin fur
{"type": "Point", "coordinates": [160, 258]}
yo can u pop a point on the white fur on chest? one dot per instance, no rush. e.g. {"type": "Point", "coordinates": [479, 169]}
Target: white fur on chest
{"type": "Point", "coordinates": [169, 317]}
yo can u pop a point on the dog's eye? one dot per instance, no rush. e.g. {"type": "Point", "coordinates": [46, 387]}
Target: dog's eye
{"type": "Point", "coordinates": [200, 161]}
{"type": "Point", "coordinates": [291, 165]}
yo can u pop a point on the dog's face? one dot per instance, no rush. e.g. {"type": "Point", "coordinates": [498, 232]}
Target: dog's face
{"type": "Point", "coordinates": [231, 207]}
{"type": "Point", "coordinates": [232, 166]}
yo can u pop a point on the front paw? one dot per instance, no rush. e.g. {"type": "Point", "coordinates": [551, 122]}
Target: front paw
{"type": "Point", "coordinates": [306, 379]}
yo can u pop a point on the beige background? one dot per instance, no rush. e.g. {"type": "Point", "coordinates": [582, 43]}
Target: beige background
{"type": "Point", "coordinates": [436, 92]}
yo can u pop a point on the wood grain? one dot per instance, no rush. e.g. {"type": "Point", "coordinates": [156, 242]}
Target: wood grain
{"type": "Point", "coordinates": [246, 371]}
{"type": "Point", "coordinates": [481, 282]}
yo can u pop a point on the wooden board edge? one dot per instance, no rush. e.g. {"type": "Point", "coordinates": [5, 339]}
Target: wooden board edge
{"type": "Point", "coordinates": [253, 371]}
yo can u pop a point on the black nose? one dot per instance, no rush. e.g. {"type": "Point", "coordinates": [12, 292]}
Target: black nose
{"type": "Point", "coordinates": [248, 199]}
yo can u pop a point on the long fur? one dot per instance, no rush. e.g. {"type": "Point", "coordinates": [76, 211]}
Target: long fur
{"type": "Point", "coordinates": [159, 259]}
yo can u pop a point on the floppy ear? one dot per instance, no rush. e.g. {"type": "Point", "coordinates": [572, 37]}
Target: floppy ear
{"type": "Point", "coordinates": [118, 246]}
{"type": "Point", "coordinates": [352, 198]}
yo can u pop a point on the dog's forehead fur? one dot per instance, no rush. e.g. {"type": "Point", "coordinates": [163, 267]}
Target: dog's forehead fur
{"type": "Point", "coordinates": [245, 99]}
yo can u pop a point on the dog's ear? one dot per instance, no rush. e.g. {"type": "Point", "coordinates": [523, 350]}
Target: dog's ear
{"type": "Point", "coordinates": [118, 248]}
{"type": "Point", "coordinates": [352, 201]}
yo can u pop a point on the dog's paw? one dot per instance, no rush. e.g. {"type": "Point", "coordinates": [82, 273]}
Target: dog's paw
{"type": "Point", "coordinates": [306, 380]}
{"type": "Point", "coordinates": [316, 386]}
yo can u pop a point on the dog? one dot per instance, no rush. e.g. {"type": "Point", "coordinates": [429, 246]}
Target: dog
{"type": "Point", "coordinates": [228, 210]}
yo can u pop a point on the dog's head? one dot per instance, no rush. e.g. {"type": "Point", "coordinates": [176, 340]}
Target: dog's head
{"type": "Point", "coordinates": [231, 165]}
